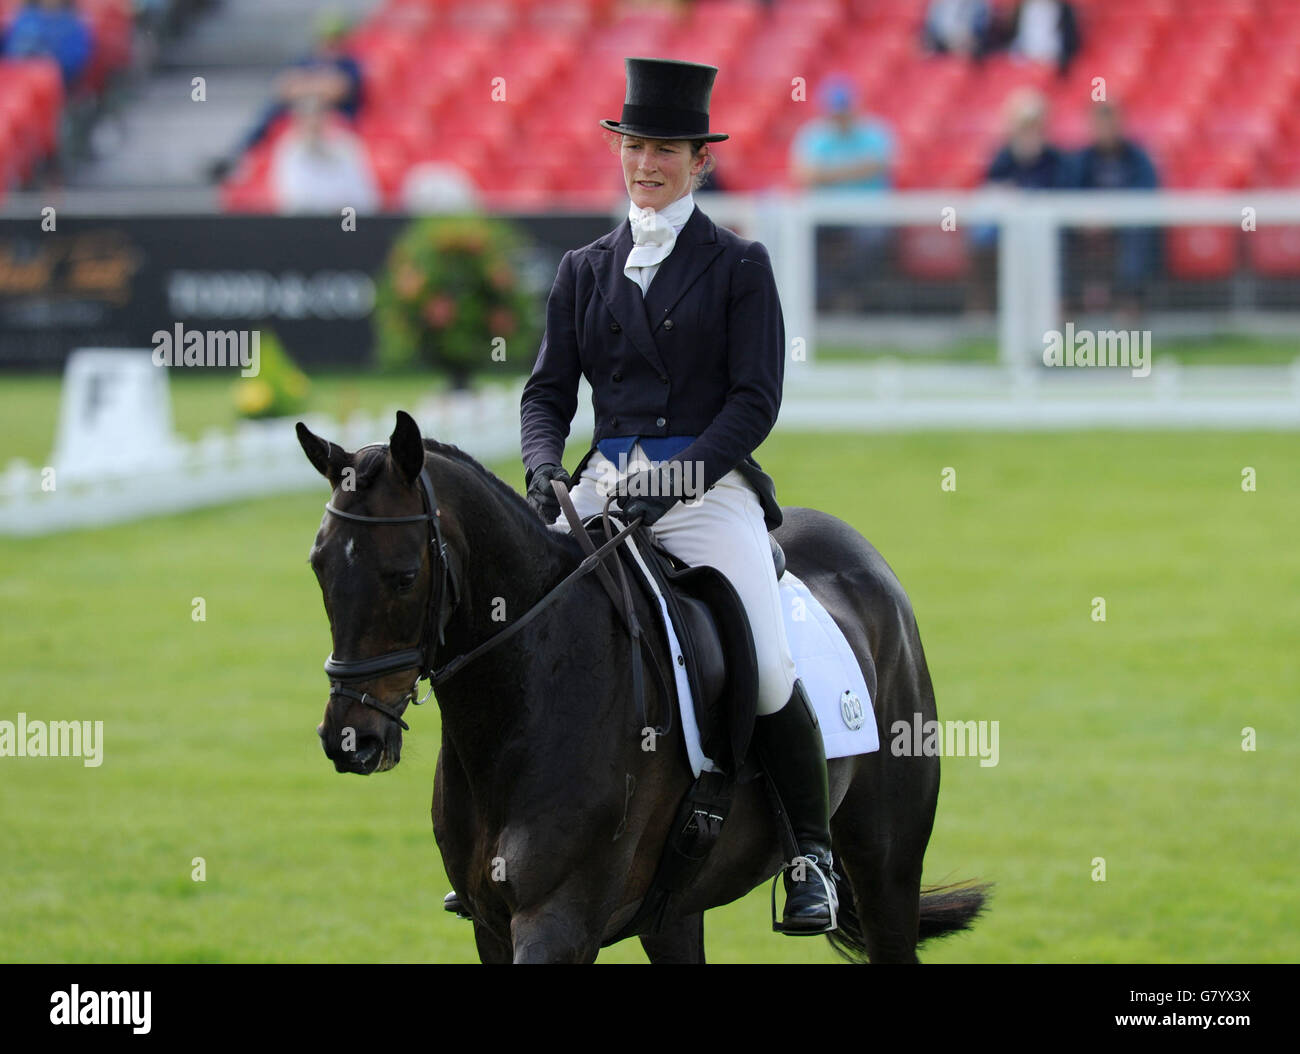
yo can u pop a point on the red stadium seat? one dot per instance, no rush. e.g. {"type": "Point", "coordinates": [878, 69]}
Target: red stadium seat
{"type": "Point", "coordinates": [1202, 252]}
{"type": "Point", "coordinates": [1210, 87]}
{"type": "Point", "coordinates": [20, 130]}
{"type": "Point", "coordinates": [388, 163]}
{"type": "Point", "coordinates": [932, 254]}
{"type": "Point", "coordinates": [41, 85]}
{"type": "Point", "coordinates": [9, 151]}
{"type": "Point", "coordinates": [1274, 251]}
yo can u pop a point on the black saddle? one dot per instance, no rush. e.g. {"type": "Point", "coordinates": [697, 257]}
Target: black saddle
{"type": "Point", "coordinates": [717, 646]}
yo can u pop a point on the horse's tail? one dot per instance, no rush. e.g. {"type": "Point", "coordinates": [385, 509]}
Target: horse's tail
{"type": "Point", "coordinates": [951, 908]}
{"type": "Point", "coordinates": [847, 938]}
{"type": "Point", "coordinates": [944, 909]}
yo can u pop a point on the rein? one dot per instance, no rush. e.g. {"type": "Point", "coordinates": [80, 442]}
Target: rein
{"type": "Point", "coordinates": [621, 596]}
{"type": "Point", "coordinates": [420, 658]}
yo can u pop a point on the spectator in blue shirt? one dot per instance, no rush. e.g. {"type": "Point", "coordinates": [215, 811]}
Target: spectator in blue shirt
{"type": "Point", "coordinates": [844, 152]}
{"type": "Point", "coordinates": [1117, 264]}
{"type": "Point", "coordinates": [53, 28]}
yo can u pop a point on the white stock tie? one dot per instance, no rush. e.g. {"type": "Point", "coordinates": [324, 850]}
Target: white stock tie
{"type": "Point", "coordinates": [653, 236]}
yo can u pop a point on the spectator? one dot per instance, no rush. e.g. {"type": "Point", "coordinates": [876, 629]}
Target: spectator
{"type": "Point", "coordinates": [1045, 31]}
{"type": "Point", "coordinates": [321, 166]}
{"type": "Point", "coordinates": [844, 151]}
{"type": "Point", "coordinates": [53, 28]}
{"type": "Point", "coordinates": [1117, 265]}
{"type": "Point", "coordinates": [329, 75]}
{"type": "Point", "coordinates": [957, 27]}
{"type": "Point", "coordinates": [1112, 161]}
{"type": "Point", "coordinates": [1027, 161]}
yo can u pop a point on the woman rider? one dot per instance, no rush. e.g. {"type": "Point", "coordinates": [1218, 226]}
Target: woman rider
{"type": "Point", "coordinates": [677, 325]}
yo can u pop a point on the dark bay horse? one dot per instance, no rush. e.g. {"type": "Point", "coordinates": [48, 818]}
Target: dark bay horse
{"type": "Point", "coordinates": [548, 809]}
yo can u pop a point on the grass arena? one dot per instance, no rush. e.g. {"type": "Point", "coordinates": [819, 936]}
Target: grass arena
{"type": "Point", "coordinates": [1128, 808]}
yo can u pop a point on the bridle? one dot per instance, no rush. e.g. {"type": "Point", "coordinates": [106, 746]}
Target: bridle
{"type": "Point", "coordinates": [442, 603]}
{"type": "Point", "coordinates": [444, 597]}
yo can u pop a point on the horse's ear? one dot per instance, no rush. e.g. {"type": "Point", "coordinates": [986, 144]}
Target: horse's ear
{"type": "Point", "coordinates": [406, 446]}
{"type": "Point", "coordinates": [329, 459]}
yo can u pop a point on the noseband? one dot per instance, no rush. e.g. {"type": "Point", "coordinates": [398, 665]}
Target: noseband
{"type": "Point", "coordinates": [341, 672]}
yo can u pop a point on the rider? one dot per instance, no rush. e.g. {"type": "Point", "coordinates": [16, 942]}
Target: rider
{"type": "Point", "coordinates": [677, 325]}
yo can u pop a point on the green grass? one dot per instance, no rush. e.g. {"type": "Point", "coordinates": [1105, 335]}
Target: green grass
{"type": "Point", "coordinates": [1118, 739]}
{"type": "Point", "coordinates": [958, 351]}
{"type": "Point", "coordinates": [1232, 351]}
{"type": "Point", "coordinates": [1206, 351]}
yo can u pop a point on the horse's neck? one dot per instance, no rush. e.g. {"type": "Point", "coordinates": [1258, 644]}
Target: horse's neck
{"type": "Point", "coordinates": [507, 569]}
{"type": "Point", "coordinates": [502, 711]}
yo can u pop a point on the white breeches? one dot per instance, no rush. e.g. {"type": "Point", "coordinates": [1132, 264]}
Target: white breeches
{"type": "Point", "coordinates": [723, 529]}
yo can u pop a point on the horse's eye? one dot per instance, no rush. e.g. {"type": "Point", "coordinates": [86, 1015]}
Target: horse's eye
{"type": "Point", "coordinates": [406, 581]}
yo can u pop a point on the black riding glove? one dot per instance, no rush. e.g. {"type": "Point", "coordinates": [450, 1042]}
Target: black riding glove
{"type": "Point", "coordinates": [540, 495]}
{"type": "Point", "coordinates": [649, 493]}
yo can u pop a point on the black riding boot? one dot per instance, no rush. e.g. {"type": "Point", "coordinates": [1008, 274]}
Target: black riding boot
{"type": "Point", "coordinates": [790, 746]}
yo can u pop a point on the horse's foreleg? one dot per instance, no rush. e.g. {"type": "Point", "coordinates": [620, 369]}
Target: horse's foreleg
{"type": "Point", "coordinates": [553, 934]}
{"type": "Point", "coordinates": [492, 950]}
{"type": "Point", "coordinates": [680, 941]}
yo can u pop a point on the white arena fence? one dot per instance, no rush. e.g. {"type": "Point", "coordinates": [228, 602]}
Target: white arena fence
{"type": "Point", "coordinates": [263, 458]}
{"type": "Point", "coordinates": [1029, 257]}
{"type": "Point", "coordinates": [1018, 393]}
{"type": "Point", "coordinates": [256, 459]}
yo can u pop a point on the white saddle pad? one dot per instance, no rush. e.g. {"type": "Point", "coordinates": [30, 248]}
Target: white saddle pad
{"type": "Point", "coordinates": [822, 659]}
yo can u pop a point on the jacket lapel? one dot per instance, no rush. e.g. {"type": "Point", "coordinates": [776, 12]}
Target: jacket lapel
{"type": "Point", "coordinates": [696, 248]}
{"type": "Point", "coordinates": [623, 296]}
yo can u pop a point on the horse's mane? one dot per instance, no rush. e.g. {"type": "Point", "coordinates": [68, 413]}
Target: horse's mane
{"type": "Point", "coordinates": [372, 460]}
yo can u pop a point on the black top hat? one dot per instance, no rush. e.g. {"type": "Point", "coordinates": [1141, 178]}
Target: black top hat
{"type": "Point", "coordinates": [667, 99]}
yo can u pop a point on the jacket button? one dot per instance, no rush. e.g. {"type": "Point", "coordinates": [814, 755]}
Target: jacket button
{"type": "Point", "coordinates": [613, 421]}
{"type": "Point", "coordinates": [614, 327]}
{"type": "Point", "coordinates": [617, 376]}
{"type": "Point", "coordinates": [668, 323]}
{"type": "Point", "coordinates": [661, 421]}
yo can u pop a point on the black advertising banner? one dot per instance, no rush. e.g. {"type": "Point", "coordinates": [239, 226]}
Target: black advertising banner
{"type": "Point", "coordinates": [115, 281]}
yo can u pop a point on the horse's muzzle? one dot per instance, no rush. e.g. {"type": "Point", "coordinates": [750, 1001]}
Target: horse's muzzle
{"type": "Point", "coordinates": [371, 753]}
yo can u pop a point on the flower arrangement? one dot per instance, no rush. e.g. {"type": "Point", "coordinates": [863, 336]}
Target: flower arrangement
{"type": "Point", "coordinates": [279, 387]}
{"type": "Point", "coordinates": [451, 298]}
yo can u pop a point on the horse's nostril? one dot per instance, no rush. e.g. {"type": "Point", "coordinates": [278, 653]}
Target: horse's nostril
{"type": "Point", "coordinates": [367, 751]}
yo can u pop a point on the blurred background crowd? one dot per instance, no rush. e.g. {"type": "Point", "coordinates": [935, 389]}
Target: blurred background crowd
{"type": "Point", "coordinates": [259, 107]}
